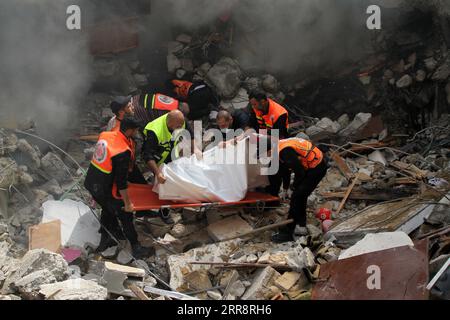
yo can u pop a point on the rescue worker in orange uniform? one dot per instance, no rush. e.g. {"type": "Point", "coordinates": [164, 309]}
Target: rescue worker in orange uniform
{"type": "Point", "coordinates": [267, 114]}
{"type": "Point", "coordinates": [201, 98]}
{"type": "Point", "coordinates": [107, 181]}
{"type": "Point", "coordinates": [120, 106]}
{"type": "Point", "coordinates": [152, 106]}
{"type": "Point", "coordinates": [310, 166]}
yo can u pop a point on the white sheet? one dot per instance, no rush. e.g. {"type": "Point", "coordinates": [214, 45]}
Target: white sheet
{"type": "Point", "coordinates": [209, 180]}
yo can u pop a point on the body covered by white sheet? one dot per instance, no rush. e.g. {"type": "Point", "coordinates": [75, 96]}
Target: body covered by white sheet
{"type": "Point", "coordinates": [220, 176]}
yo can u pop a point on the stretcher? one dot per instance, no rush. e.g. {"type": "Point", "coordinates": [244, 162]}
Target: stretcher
{"type": "Point", "coordinates": [144, 199]}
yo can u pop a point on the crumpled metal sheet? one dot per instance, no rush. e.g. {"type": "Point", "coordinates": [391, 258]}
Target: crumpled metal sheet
{"type": "Point", "coordinates": [403, 276]}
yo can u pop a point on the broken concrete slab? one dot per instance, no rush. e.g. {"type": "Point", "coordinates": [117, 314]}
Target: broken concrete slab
{"type": "Point", "coordinates": [259, 290]}
{"type": "Point", "coordinates": [179, 264]}
{"type": "Point", "coordinates": [74, 289]}
{"type": "Point", "coordinates": [33, 281]}
{"type": "Point", "coordinates": [358, 123]}
{"type": "Point", "coordinates": [35, 260]}
{"type": "Point", "coordinates": [377, 242]}
{"type": "Point", "coordinates": [229, 227]}
{"type": "Point", "coordinates": [404, 275]}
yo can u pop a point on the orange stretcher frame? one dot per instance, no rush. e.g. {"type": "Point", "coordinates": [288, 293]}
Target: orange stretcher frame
{"type": "Point", "coordinates": [143, 199]}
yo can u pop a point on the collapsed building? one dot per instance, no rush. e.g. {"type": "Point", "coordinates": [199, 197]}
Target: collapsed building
{"type": "Point", "coordinates": [376, 100]}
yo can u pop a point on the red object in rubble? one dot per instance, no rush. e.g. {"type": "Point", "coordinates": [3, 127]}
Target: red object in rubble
{"type": "Point", "coordinates": [323, 214]}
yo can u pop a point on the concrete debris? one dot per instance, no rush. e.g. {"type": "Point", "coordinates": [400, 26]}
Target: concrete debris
{"type": "Point", "coordinates": [31, 152]}
{"type": "Point", "coordinates": [124, 256]}
{"type": "Point", "coordinates": [74, 289]}
{"type": "Point", "coordinates": [324, 125]}
{"type": "Point", "coordinates": [240, 101]}
{"type": "Point", "coordinates": [179, 265]}
{"type": "Point", "coordinates": [270, 84]}
{"type": "Point", "coordinates": [237, 289]}
{"type": "Point", "coordinates": [358, 123]}
{"type": "Point", "coordinates": [287, 280]}
{"type": "Point", "coordinates": [33, 261]}
{"type": "Point", "coordinates": [404, 81]}
{"type": "Point", "coordinates": [109, 253]}
{"type": "Point", "coordinates": [378, 156]}
{"type": "Point", "coordinates": [228, 227]}
{"type": "Point", "coordinates": [225, 77]}
{"type": "Point", "coordinates": [173, 63]}
{"type": "Point", "coordinates": [33, 281]}
{"type": "Point", "coordinates": [377, 242]}
{"type": "Point", "coordinates": [383, 119]}
{"type": "Point", "coordinates": [262, 281]}
{"type": "Point", "coordinates": [55, 167]}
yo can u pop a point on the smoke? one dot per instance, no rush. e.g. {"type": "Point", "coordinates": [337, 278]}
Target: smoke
{"type": "Point", "coordinates": [287, 35]}
{"type": "Point", "coordinates": [44, 66]}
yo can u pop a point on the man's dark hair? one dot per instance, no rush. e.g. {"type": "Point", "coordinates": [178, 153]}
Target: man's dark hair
{"type": "Point", "coordinates": [119, 103]}
{"type": "Point", "coordinates": [129, 122]}
{"type": "Point", "coordinates": [258, 96]}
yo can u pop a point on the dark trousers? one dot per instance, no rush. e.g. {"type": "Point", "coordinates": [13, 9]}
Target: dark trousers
{"type": "Point", "coordinates": [112, 209]}
{"type": "Point", "coordinates": [112, 213]}
{"type": "Point", "coordinates": [301, 191]}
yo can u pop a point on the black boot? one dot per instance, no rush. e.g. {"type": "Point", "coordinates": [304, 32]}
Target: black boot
{"type": "Point", "coordinates": [140, 252]}
{"type": "Point", "coordinates": [165, 216]}
{"type": "Point", "coordinates": [105, 242]}
{"type": "Point", "coordinates": [283, 235]}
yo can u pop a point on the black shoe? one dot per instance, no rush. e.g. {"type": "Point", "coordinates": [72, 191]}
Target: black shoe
{"type": "Point", "coordinates": [140, 252]}
{"type": "Point", "coordinates": [283, 235]}
{"type": "Point", "coordinates": [105, 242]}
{"type": "Point", "coordinates": [165, 216]}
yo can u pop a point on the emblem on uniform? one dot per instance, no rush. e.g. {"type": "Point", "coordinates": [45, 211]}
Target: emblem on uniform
{"type": "Point", "coordinates": [165, 99]}
{"type": "Point", "coordinates": [100, 151]}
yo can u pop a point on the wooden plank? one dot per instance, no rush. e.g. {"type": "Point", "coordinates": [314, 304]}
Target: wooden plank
{"type": "Point", "coordinates": [347, 194]}
{"type": "Point", "coordinates": [358, 195]}
{"type": "Point", "coordinates": [342, 165]}
{"type": "Point", "coordinates": [129, 271]}
{"type": "Point", "coordinates": [363, 147]}
{"type": "Point", "coordinates": [409, 169]}
{"type": "Point", "coordinates": [140, 294]}
{"type": "Point", "coordinates": [45, 236]}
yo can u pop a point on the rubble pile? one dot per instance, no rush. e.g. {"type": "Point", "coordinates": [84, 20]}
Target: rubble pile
{"type": "Point", "coordinates": [383, 124]}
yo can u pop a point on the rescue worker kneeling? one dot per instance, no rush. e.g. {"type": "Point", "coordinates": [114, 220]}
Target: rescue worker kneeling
{"type": "Point", "coordinates": [310, 166]}
{"type": "Point", "coordinates": [106, 180]}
